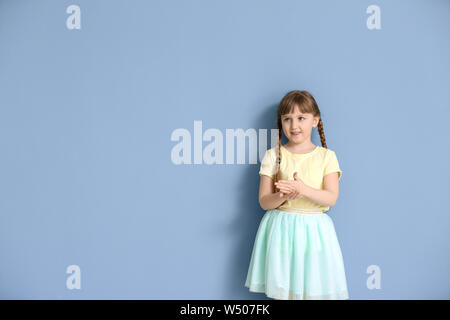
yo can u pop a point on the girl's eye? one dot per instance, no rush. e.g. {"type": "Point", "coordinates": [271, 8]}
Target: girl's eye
{"type": "Point", "coordinates": [290, 118]}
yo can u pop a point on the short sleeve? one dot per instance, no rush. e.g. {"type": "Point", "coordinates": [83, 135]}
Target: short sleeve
{"type": "Point", "coordinates": [332, 164]}
{"type": "Point", "coordinates": [268, 164]}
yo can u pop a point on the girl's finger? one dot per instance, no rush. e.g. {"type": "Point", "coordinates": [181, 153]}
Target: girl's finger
{"type": "Point", "coordinates": [285, 186]}
{"type": "Point", "coordinates": [288, 189]}
{"type": "Point", "coordinates": [283, 190]}
{"type": "Point", "coordinates": [281, 186]}
{"type": "Point", "coordinates": [289, 195]}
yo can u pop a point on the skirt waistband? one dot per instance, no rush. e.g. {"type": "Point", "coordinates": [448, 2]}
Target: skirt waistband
{"type": "Point", "coordinates": [299, 210]}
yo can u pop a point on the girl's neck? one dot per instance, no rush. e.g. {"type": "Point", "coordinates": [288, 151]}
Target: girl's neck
{"type": "Point", "coordinates": [304, 147]}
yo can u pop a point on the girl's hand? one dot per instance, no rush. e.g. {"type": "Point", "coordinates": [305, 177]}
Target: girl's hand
{"type": "Point", "coordinates": [290, 189]}
{"type": "Point", "coordinates": [289, 196]}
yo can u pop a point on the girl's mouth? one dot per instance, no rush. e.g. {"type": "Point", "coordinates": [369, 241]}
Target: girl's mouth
{"type": "Point", "coordinates": [295, 133]}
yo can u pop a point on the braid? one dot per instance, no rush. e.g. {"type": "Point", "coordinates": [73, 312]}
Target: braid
{"type": "Point", "coordinates": [321, 133]}
{"type": "Point", "coordinates": [278, 158]}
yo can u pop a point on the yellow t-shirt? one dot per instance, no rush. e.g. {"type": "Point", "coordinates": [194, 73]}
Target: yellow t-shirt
{"type": "Point", "coordinates": [310, 167]}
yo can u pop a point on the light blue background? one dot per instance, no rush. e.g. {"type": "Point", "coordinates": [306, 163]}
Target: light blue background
{"type": "Point", "coordinates": [86, 118]}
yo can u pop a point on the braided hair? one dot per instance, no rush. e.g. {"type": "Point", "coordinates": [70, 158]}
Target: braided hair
{"type": "Point", "coordinates": [307, 104]}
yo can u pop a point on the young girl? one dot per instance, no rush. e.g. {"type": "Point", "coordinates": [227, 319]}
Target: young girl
{"type": "Point", "coordinates": [296, 254]}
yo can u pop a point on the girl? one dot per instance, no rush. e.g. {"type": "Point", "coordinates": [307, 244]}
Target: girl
{"type": "Point", "coordinates": [296, 254]}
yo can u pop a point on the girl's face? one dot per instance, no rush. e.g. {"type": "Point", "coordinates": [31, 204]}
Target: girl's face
{"type": "Point", "coordinates": [297, 126]}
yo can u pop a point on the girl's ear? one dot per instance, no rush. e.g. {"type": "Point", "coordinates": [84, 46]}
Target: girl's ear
{"type": "Point", "coordinates": [316, 121]}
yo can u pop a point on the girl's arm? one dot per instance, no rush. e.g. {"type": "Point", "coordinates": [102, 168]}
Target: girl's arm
{"type": "Point", "coordinates": [268, 199]}
{"type": "Point", "coordinates": [326, 197]}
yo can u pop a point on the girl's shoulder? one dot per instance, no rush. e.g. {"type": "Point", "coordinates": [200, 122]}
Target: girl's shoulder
{"type": "Point", "coordinates": [326, 151]}
{"type": "Point", "coordinates": [326, 154]}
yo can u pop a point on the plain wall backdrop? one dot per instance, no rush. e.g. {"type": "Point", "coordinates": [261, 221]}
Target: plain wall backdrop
{"type": "Point", "coordinates": [87, 176]}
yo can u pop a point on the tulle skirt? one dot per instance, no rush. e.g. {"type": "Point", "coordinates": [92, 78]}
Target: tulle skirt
{"type": "Point", "coordinates": [296, 256]}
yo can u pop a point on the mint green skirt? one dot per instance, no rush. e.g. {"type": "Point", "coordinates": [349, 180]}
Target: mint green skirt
{"type": "Point", "coordinates": [296, 256]}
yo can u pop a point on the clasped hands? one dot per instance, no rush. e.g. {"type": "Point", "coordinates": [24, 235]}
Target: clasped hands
{"type": "Point", "coordinates": [290, 189]}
